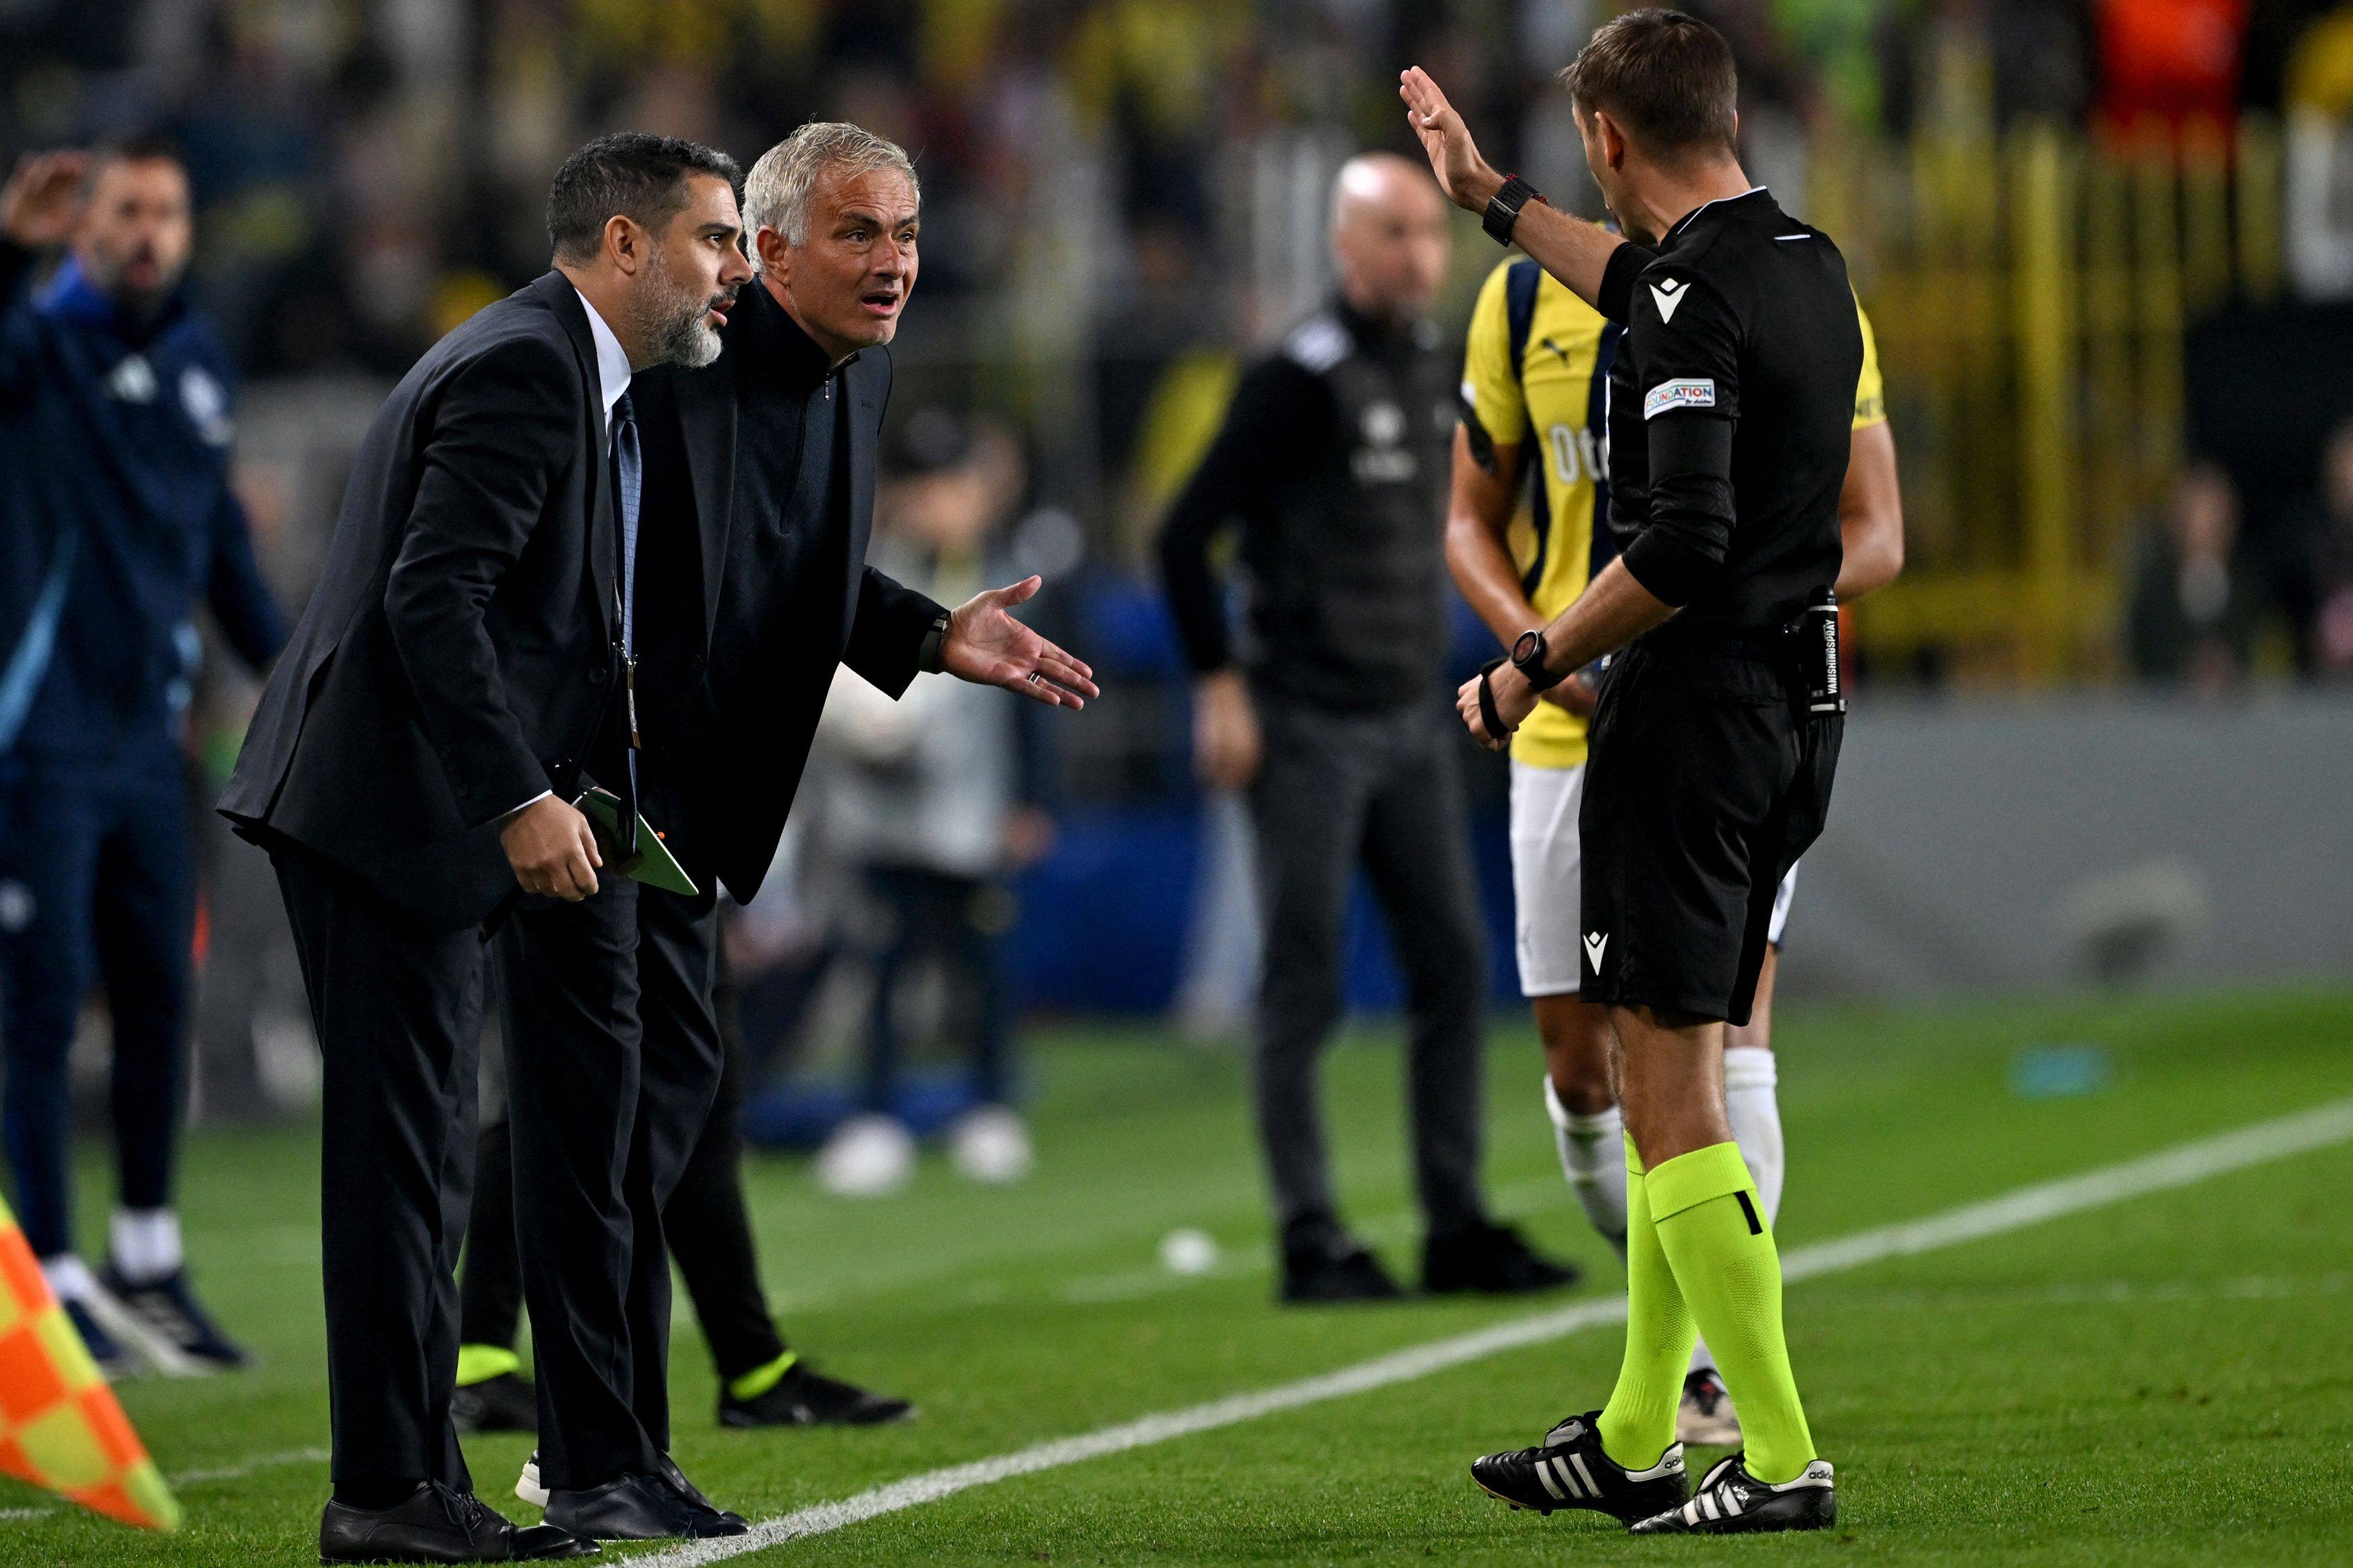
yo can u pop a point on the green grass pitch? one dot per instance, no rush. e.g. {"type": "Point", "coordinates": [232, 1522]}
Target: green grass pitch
{"type": "Point", "coordinates": [2166, 1380]}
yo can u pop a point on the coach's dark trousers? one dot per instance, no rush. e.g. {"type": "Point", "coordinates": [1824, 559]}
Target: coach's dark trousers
{"type": "Point", "coordinates": [398, 1009]}
{"type": "Point", "coordinates": [602, 1129]}
{"type": "Point", "coordinates": [705, 1223]}
{"type": "Point", "coordinates": [1384, 791]}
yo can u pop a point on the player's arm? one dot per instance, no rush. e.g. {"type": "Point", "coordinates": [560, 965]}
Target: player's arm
{"type": "Point", "coordinates": [1871, 503]}
{"type": "Point", "coordinates": [1570, 248]}
{"type": "Point", "coordinates": [1871, 515]}
{"type": "Point", "coordinates": [1480, 506]}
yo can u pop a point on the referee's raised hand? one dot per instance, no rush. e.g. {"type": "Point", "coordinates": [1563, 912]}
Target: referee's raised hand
{"type": "Point", "coordinates": [1463, 175]}
{"type": "Point", "coordinates": [986, 646]}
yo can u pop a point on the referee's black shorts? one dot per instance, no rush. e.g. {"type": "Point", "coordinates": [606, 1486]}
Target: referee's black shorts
{"type": "Point", "coordinates": [1704, 787]}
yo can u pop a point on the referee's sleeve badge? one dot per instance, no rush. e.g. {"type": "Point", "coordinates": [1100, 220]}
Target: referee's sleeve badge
{"type": "Point", "coordinates": [1691, 392]}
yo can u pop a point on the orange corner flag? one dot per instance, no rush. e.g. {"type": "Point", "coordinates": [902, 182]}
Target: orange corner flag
{"type": "Point", "coordinates": [60, 1427]}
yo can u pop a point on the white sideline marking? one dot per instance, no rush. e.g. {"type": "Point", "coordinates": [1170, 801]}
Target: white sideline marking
{"type": "Point", "coordinates": [245, 1467]}
{"type": "Point", "coordinates": [2180, 1166]}
{"type": "Point", "coordinates": [237, 1471]}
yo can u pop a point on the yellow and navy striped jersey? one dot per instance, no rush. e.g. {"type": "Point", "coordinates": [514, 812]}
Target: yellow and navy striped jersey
{"type": "Point", "coordinates": [1536, 369]}
{"type": "Point", "coordinates": [1870, 392]}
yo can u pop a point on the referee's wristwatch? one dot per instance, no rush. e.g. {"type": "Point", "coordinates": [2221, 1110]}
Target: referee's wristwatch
{"type": "Point", "coordinates": [1503, 212]}
{"type": "Point", "coordinates": [1528, 659]}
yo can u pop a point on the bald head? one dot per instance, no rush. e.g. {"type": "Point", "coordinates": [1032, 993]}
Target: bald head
{"type": "Point", "coordinates": [1388, 236]}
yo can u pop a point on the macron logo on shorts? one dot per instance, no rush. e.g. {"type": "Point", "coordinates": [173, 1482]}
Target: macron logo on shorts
{"type": "Point", "coordinates": [1697, 392]}
{"type": "Point", "coordinates": [1594, 941]}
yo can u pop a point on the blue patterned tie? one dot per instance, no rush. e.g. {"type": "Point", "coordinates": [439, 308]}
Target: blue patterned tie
{"type": "Point", "coordinates": [628, 471]}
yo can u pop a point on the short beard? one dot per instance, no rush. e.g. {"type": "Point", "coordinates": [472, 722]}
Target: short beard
{"type": "Point", "coordinates": [673, 321]}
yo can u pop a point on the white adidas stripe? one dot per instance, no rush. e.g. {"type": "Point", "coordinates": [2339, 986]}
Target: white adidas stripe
{"type": "Point", "coordinates": [1544, 1474]}
{"type": "Point", "coordinates": [2185, 1164]}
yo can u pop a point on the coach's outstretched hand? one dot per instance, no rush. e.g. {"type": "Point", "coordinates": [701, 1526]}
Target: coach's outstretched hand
{"type": "Point", "coordinates": [1465, 177]}
{"type": "Point", "coordinates": [986, 646]}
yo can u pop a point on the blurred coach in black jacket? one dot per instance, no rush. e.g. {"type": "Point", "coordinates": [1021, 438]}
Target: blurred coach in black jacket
{"type": "Point", "coordinates": [454, 677]}
{"type": "Point", "coordinates": [758, 496]}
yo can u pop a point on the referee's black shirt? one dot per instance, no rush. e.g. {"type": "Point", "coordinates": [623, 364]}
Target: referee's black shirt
{"type": "Point", "coordinates": [1743, 350]}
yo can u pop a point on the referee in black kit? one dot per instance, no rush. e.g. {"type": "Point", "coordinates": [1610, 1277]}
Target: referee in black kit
{"type": "Point", "coordinates": [1332, 461]}
{"type": "Point", "coordinates": [1716, 735]}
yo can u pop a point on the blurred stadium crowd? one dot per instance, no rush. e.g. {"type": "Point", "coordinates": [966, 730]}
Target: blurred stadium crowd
{"type": "Point", "coordinates": [2108, 244]}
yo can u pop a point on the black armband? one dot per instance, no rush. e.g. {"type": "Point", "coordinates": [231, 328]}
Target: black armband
{"type": "Point", "coordinates": [1669, 570]}
{"type": "Point", "coordinates": [1689, 535]}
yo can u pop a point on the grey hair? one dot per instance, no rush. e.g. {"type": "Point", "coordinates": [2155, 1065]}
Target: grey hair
{"type": "Point", "coordinates": [777, 193]}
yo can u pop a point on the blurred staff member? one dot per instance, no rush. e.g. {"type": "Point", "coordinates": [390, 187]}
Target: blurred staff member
{"type": "Point", "coordinates": [462, 671]}
{"type": "Point", "coordinates": [758, 493]}
{"type": "Point", "coordinates": [1717, 732]}
{"type": "Point", "coordinates": [933, 804]}
{"type": "Point", "coordinates": [1333, 460]}
{"type": "Point", "coordinates": [1541, 382]}
{"type": "Point", "coordinates": [116, 517]}
{"type": "Point", "coordinates": [2190, 621]}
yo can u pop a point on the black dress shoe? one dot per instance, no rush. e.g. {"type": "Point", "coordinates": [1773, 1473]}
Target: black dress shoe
{"type": "Point", "coordinates": [436, 1524]}
{"type": "Point", "coordinates": [506, 1402]}
{"type": "Point", "coordinates": [806, 1397]}
{"type": "Point", "coordinates": [638, 1508]}
{"type": "Point", "coordinates": [1333, 1271]}
{"type": "Point", "coordinates": [1490, 1259]}
{"type": "Point", "coordinates": [540, 1543]}
{"type": "Point", "coordinates": [735, 1523]}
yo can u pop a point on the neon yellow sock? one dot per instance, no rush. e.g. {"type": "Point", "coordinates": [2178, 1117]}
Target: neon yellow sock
{"type": "Point", "coordinates": [1705, 1208]}
{"type": "Point", "coordinates": [761, 1379]}
{"type": "Point", "coordinates": [480, 1363]}
{"type": "Point", "coordinates": [1640, 1420]}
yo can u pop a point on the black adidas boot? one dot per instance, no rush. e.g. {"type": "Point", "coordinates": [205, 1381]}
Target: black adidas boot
{"type": "Point", "coordinates": [1569, 1470]}
{"type": "Point", "coordinates": [1731, 1501]}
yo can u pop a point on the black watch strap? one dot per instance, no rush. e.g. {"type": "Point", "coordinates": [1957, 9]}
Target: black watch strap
{"type": "Point", "coordinates": [1503, 208]}
{"type": "Point", "coordinates": [931, 658]}
{"type": "Point", "coordinates": [1528, 659]}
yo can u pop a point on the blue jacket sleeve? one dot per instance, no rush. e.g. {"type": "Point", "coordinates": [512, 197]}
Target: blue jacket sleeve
{"type": "Point", "coordinates": [16, 330]}
{"type": "Point", "coordinates": [241, 601]}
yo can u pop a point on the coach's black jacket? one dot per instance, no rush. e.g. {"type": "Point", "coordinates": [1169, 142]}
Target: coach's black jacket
{"type": "Point", "coordinates": [729, 708]}
{"type": "Point", "coordinates": [457, 656]}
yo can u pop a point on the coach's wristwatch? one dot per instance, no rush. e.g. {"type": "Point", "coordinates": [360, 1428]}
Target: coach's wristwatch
{"type": "Point", "coordinates": [931, 658]}
{"type": "Point", "coordinates": [1503, 207]}
{"type": "Point", "coordinates": [1528, 659]}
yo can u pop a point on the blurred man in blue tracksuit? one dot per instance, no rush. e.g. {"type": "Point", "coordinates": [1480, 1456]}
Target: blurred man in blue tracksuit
{"type": "Point", "coordinates": [116, 516]}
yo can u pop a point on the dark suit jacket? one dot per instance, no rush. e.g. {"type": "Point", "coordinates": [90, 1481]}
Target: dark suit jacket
{"type": "Point", "coordinates": [457, 657]}
{"type": "Point", "coordinates": [731, 708]}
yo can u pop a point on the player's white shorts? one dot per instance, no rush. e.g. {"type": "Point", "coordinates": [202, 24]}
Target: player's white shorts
{"type": "Point", "coordinates": [1546, 869]}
